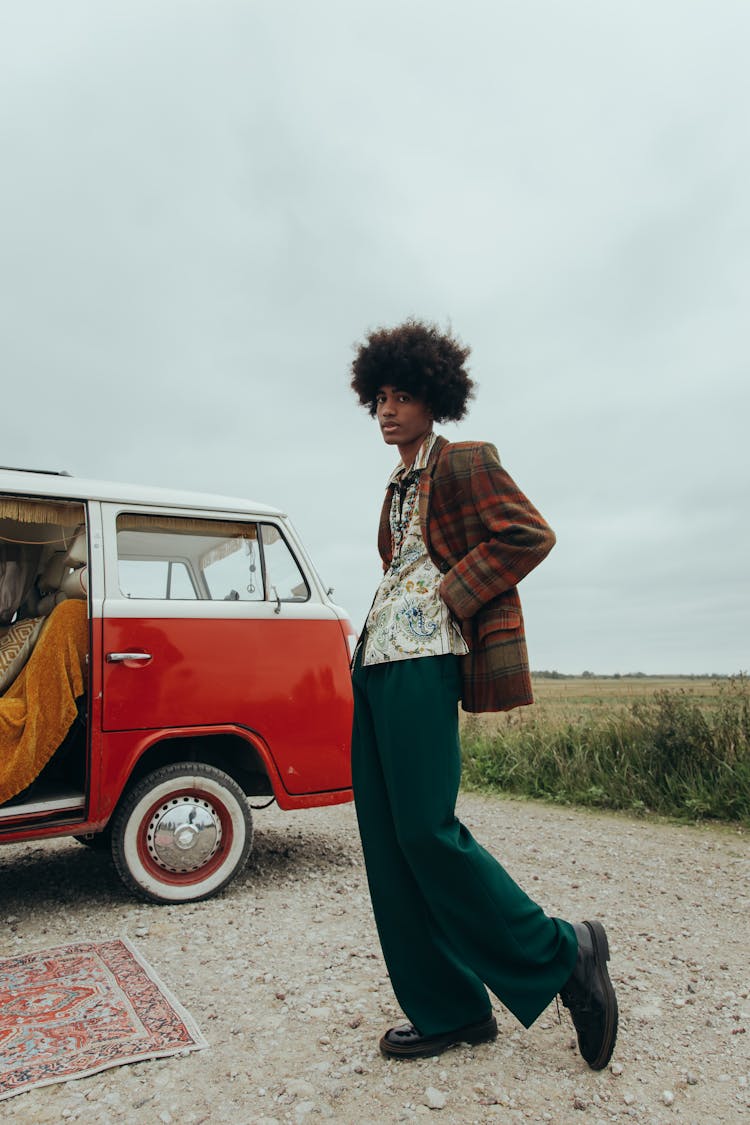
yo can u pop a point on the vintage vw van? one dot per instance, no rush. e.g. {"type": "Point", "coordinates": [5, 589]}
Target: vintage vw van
{"type": "Point", "coordinates": [164, 657]}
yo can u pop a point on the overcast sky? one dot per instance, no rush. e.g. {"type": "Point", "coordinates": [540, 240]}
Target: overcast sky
{"type": "Point", "coordinates": [205, 205]}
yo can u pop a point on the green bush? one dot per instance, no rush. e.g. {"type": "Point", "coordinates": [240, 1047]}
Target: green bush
{"type": "Point", "coordinates": [667, 754]}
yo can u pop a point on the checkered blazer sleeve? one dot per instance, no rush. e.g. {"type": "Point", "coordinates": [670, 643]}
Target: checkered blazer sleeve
{"type": "Point", "coordinates": [506, 536]}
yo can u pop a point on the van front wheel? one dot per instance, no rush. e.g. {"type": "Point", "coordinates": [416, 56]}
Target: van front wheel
{"type": "Point", "coordinates": [182, 833]}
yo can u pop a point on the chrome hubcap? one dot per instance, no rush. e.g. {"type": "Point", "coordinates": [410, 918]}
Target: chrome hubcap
{"type": "Point", "coordinates": [183, 834]}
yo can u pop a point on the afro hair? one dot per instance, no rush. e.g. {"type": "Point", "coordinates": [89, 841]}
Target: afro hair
{"type": "Point", "coordinates": [417, 358]}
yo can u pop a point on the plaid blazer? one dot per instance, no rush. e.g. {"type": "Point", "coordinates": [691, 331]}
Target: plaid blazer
{"type": "Point", "coordinates": [484, 536]}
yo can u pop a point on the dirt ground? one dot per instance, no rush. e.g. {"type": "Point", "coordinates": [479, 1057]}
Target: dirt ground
{"type": "Point", "coordinates": [283, 975]}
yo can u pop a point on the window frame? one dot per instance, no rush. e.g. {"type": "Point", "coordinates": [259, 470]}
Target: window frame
{"type": "Point", "coordinates": [112, 513]}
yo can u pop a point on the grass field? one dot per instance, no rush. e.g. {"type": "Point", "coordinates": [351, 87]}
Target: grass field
{"type": "Point", "coordinates": [595, 690]}
{"type": "Point", "coordinates": [579, 697]}
{"type": "Point", "coordinates": [676, 746]}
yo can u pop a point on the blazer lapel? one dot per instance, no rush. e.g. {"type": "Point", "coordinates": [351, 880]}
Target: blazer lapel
{"type": "Point", "coordinates": [425, 487]}
{"type": "Point", "coordinates": [384, 529]}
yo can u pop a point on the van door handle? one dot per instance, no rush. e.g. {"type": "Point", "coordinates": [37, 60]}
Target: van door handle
{"type": "Point", "coordinates": [119, 657]}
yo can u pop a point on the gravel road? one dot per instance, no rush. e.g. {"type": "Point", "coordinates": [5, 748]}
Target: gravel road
{"type": "Point", "coordinates": [283, 975]}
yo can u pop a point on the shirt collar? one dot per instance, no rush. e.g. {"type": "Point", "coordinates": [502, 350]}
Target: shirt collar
{"type": "Point", "coordinates": [420, 461]}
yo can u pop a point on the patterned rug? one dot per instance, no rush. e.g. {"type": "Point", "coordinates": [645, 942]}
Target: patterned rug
{"type": "Point", "coordinates": [69, 1012]}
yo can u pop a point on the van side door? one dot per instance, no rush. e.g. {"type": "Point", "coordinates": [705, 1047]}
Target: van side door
{"type": "Point", "coordinates": [212, 621]}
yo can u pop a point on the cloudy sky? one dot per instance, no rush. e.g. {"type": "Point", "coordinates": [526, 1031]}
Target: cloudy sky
{"type": "Point", "coordinates": [205, 204]}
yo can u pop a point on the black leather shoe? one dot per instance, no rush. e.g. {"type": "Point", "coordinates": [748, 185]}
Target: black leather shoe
{"type": "Point", "coordinates": [405, 1042]}
{"type": "Point", "coordinates": [590, 997]}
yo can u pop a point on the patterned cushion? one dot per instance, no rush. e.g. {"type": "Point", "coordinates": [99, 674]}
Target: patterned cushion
{"type": "Point", "coordinates": [16, 643]}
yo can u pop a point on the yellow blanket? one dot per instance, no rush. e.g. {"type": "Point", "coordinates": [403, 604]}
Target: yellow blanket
{"type": "Point", "coordinates": [39, 707]}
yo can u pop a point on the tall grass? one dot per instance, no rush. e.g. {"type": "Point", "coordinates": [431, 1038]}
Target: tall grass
{"type": "Point", "coordinates": [667, 754]}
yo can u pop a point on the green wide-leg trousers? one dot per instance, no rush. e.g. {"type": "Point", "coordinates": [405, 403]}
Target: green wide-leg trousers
{"type": "Point", "coordinates": [449, 917]}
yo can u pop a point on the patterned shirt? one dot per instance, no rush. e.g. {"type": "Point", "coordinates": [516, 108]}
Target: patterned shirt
{"type": "Point", "coordinates": [408, 617]}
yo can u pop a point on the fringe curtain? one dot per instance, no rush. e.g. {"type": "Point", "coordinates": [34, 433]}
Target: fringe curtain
{"type": "Point", "coordinates": [24, 510]}
{"type": "Point", "coordinates": [186, 525]}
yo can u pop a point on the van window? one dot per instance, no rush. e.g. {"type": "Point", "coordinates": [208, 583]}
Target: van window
{"type": "Point", "coordinates": [155, 578]}
{"type": "Point", "coordinates": [284, 579]}
{"type": "Point", "coordinates": [175, 558]}
{"type": "Point", "coordinates": [181, 558]}
{"type": "Point", "coordinates": [236, 575]}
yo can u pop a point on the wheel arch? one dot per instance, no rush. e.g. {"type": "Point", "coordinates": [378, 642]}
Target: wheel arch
{"type": "Point", "coordinates": [238, 757]}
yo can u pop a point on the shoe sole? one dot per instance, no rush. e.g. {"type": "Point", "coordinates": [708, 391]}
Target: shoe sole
{"type": "Point", "coordinates": [474, 1033]}
{"type": "Point", "coordinates": [601, 956]}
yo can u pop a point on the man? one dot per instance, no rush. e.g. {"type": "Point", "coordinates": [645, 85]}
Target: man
{"type": "Point", "coordinates": [456, 536]}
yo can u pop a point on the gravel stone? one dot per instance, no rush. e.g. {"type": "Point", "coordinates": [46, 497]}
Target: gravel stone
{"type": "Point", "coordinates": [300, 1088]}
{"type": "Point", "coordinates": [435, 1099]}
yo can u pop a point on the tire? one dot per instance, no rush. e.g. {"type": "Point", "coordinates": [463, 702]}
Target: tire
{"type": "Point", "coordinates": [182, 833]}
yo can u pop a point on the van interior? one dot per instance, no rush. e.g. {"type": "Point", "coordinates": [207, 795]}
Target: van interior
{"type": "Point", "coordinates": [44, 631]}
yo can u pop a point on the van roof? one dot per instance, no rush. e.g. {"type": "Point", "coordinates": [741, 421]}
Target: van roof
{"type": "Point", "coordinates": [37, 482]}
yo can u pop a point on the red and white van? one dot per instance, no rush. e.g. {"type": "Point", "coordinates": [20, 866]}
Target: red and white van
{"type": "Point", "coordinates": [216, 669]}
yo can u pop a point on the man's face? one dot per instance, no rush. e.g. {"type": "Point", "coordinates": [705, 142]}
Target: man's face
{"type": "Point", "coordinates": [403, 419]}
